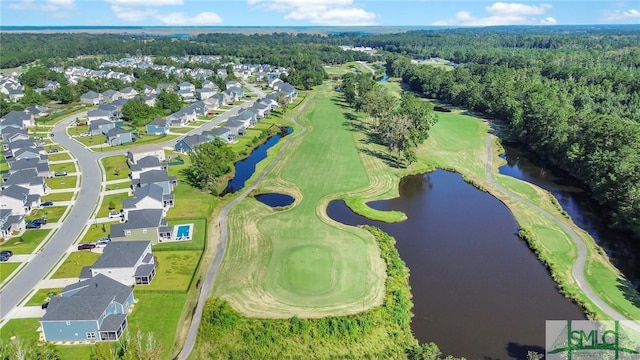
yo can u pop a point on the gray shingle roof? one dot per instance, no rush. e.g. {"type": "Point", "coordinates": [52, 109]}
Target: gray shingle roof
{"type": "Point", "coordinates": [23, 164]}
{"type": "Point", "coordinates": [144, 270]}
{"type": "Point", "coordinates": [13, 116]}
{"type": "Point", "coordinates": [121, 254]}
{"type": "Point", "coordinates": [90, 95]}
{"type": "Point", "coordinates": [20, 144]}
{"type": "Point", "coordinates": [112, 322]}
{"type": "Point", "coordinates": [106, 286]}
{"type": "Point", "coordinates": [138, 219]}
{"type": "Point", "coordinates": [152, 190]}
{"type": "Point", "coordinates": [15, 192]}
{"type": "Point", "coordinates": [100, 113]}
{"type": "Point", "coordinates": [116, 131]}
{"type": "Point", "coordinates": [155, 176]}
{"type": "Point", "coordinates": [158, 122]}
{"type": "Point", "coordinates": [26, 176]}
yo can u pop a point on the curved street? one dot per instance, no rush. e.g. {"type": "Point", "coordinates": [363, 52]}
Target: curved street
{"type": "Point", "coordinates": [82, 210]}
{"type": "Point", "coordinates": [579, 265]}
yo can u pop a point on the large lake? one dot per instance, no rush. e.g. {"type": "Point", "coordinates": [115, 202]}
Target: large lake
{"type": "Point", "coordinates": [478, 290]}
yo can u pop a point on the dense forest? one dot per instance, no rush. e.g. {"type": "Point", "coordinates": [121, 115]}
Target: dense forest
{"type": "Point", "coordinates": [572, 97]}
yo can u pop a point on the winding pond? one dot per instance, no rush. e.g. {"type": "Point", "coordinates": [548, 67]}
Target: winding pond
{"type": "Point", "coordinates": [623, 251]}
{"type": "Point", "coordinates": [245, 168]}
{"type": "Point", "coordinates": [478, 290]}
{"type": "Point", "coordinates": [275, 199]}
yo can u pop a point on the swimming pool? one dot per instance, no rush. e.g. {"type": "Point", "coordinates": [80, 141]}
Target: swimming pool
{"type": "Point", "coordinates": [183, 231]}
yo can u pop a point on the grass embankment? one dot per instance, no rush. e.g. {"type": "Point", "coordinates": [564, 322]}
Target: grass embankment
{"type": "Point", "coordinates": [382, 332]}
{"type": "Point", "coordinates": [458, 143]}
{"type": "Point", "coordinates": [298, 262]}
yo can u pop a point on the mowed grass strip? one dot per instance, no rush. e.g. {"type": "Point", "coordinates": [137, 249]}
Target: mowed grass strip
{"type": "Point", "coordinates": [116, 167]}
{"type": "Point", "coordinates": [59, 157]}
{"type": "Point", "coordinates": [295, 262]}
{"type": "Point", "coordinates": [6, 269]}
{"type": "Point", "coordinates": [41, 296]}
{"type": "Point", "coordinates": [114, 200]}
{"type": "Point", "coordinates": [69, 167]}
{"type": "Point", "coordinates": [65, 196]}
{"type": "Point", "coordinates": [72, 266]}
{"type": "Point", "coordinates": [174, 272]}
{"type": "Point", "coordinates": [62, 182]}
{"type": "Point", "coordinates": [27, 242]}
{"type": "Point", "coordinates": [51, 213]}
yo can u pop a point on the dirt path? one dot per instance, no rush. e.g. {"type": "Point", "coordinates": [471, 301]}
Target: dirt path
{"type": "Point", "coordinates": [579, 265]}
{"type": "Point", "coordinates": [192, 334]}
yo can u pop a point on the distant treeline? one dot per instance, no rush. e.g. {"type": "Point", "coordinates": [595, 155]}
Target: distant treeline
{"type": "Point", "coordinates": [573, 98]}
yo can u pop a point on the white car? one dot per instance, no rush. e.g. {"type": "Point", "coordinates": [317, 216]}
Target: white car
{"type": "Point", "coordinates": [114, 214]}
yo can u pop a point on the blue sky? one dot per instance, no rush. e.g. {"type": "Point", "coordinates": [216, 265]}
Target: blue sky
{"type": "Point", "coordinates": [314, 12]}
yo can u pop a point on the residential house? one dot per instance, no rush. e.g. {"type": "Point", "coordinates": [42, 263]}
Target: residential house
{"type": "Point", "coordinates": [91, 310]}
{"type": "Point", "coordinates": [221, 98]}
{"type": "Point", "coordinates": [158, 127]}
{"type": "Point", "coordinates": [223, 133]}
{"type": "Point", "coordinates": [111, 96]}
{"type": "Point", "coordinates": [186, 86]}
{"type": "Point", "coordinates": [18, 200]}
{"type": "Point", "coordinates": [10, 223]}
{"type": "Point", "coordinates": [190, 142]}
{"type": "Point", "coordinates": [159, 177]}
{"type": "Point", "coordinates": [16, 95]}
{"type": "Point", "coordinates": [186, 95]}
{"type": "Point", "coordinates": [91, 97]}
{"type": "Point", "coordinates": [182, 117]}
{"type": "Point", "coordinates": [13, 148]}
{"type": "Point", "coordinates": [230, 96]}
{"type": "Point", "coordinates": [136, 153]}
{"type": "Point", "coordinates": [239, 92]}
{"type": "Point", "coordinates": [208, 84]}
{"type": "Point", "coordinates": [11, 134]}
{"type": "Point", "coordinates": [289, 91]}
{"type": "Point", "coordinates": [101, 126]}
{"type": "Point", "coordinates": [118, 136]}
{"type": "Point", "coordinates": [29, 179]}
{"type": "Point", "coordinates": [128, 93]}
{"type": "Point", "coordinates": [236, 128]}
{"type": "Point", "coordinates": [212, 103]}
{"type": "Point", "coordinates": [149, 100]}
{"type": "Point", "coordinates": [232, 84]}
{"type": "Point", "coordinates": [204, 93]}
{"type": "Point", "coordinates": [112, 109]}
{"type": "Point", "coordinates": [146, 224]}
{"type": "Point", "coordinates": [249, 117]}
{"type": "Point", "coordinates": [148, 90]}
{"type": "Point", "coordinates": [127, 262]}
{"type": "Point", "coordinates": [145, 164]}
{"type": "Point", "coordinates": [99, 114]}
{"type": "Point", "coordinates": [41, 167]}
{"type": "Point", "coordinates": [148, 197]}
{"type": "Point", "coordinates": [17, 119]}
{"type": "Point", "coordinates": [37, 111]}
{"type": "Point", "coordinates": [261, 110]}
{"type": "Point", "coordinates": [24, 153]}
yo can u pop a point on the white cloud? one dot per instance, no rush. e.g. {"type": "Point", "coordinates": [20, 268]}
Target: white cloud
{"type": "Point", "coordinates": [148, 3]}
{"type": "Point", "coordinates": [203, 18]}
{"type": "Point", "coordinates": [624, 15]}
{"type": "Point", "coordinates": [52, 6]}
{"type": "Point", "coordinates": [177, 18]}
{"type": "Point", "coordinates": [503, 14]}
{"type": "Point", "coordinates": [322, 12]}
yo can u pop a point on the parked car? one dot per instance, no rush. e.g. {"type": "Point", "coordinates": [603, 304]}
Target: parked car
{"type": "Point", "coordinates": [7, 253]}
{"type": "Point", "coordinates": [33, 225]}
{"type": "Point", "coordinates": [61, 173]}
{"type": "Point", "coordinates": [114, 214]}
{"type": "Point", "coordinates": [3, 258]}
{"type": "Point", "coordinates": [39, 221]}
{"type": "Point", "coordinates": [47, 203]}
{"type": "Point", "coordinates": [86, 246]}
{"type": "Point", "coordinates": [52, 151]}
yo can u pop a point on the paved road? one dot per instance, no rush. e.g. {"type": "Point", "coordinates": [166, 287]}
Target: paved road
{"type": "Point", "coordinates": [190, 341]}
{"type": "Point", "coordinates": [42, 263]}
{"type": "Point", "coordinates": [579, 265]}
{"type": "Point", "coordinates": [70, 229]}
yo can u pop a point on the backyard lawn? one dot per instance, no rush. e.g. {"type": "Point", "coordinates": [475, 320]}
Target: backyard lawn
{"type": "Point", "coordinates": [65, 196]}
{"type": "Point", "coordinates": [93, 140]}
{"type": "Point", "coordinates": [113, 199]}
{"type": "Point", "coordinates": [62, 182]}
{"type": "Point", "coordinates": [27, 242]}
{"type": "Point", "coordinates": [116, 167]}
{"type": "Point", "coordinates": [6, 269]}
{"type": "Point", "coordinates": [175, 270]}
{"type": "Point", "coordinates": [197, 238]}
{"type": "Point", "coordinates": [74, 263]}
{"type": "Point", "coordinates": [50, 213]}
{"type": "Point", "coordinates": [23, 329]}
{"type": "Point", "coordinates": [77, 130]}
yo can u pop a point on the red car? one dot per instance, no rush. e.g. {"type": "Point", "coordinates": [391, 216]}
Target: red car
{"type": "Point", "coordinates": [86, 246]}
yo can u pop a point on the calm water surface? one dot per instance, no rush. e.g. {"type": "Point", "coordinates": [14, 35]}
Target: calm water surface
{"type": "Point", "coordinates": [275, 199]}
{"type": "Point", "coordinates": [478, 291]}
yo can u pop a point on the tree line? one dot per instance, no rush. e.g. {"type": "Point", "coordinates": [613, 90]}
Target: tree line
{"type": "Point", "coordinates": [401, 124]}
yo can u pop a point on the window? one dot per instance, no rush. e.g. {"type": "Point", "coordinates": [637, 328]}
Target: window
{"type": "Point", "coordinates": [91, 336]}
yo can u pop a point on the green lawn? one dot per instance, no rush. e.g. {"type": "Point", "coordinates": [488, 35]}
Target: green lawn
{"type": "Point", "coordinates": [41, 296]}
{"type": "Point", "coordinates": [69, 167]}
{"type": "Point", "coordinates": [190, 203]}
{"type": "Point", "coordinates": [26, 243]}
{"type": "Point", "coordinates": [60, 157]}
{"type": "Point", "coordinates": [74, 264]}
{"type": "Point", "coordinates": [114, 199]}
{"type": "Point", "coordinates": [181, 130]}
{"type": "Point", "coordinates": [116, 167]}
{"type": "Point", "coordinates": [77, 130]}
{"type": "Point", "coordinates": [57, 147]}
{"type": "Point", "coordinates": [118, 186]}
{"type": "Point", "coordinates": [175, 270]}
{"type": "Point", "coordinates": [23, 329]}
{"type": "Point", "coordinates": [294, 261]}
{"type": "Point", "coordinates": [51, 213]}
{"type": "Point", "coordinates": [62, 182]}
{"type": "Point", "coordinates": [4, 166]}
{"type": "Point", "coordinates": [197, 239]}
{"type": "Point", "coordinates": [65, 196]}
{"type": "Point", "coordinates": [6, 269]}
{"type": "Point", "coordinates": [146, 139]}
{"type": "Point", "coordinates": [93, 140]}
{"type": "Point", "coordinates": [97, 232]}
{"type": "Point", "coordinates": [158, 314]}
